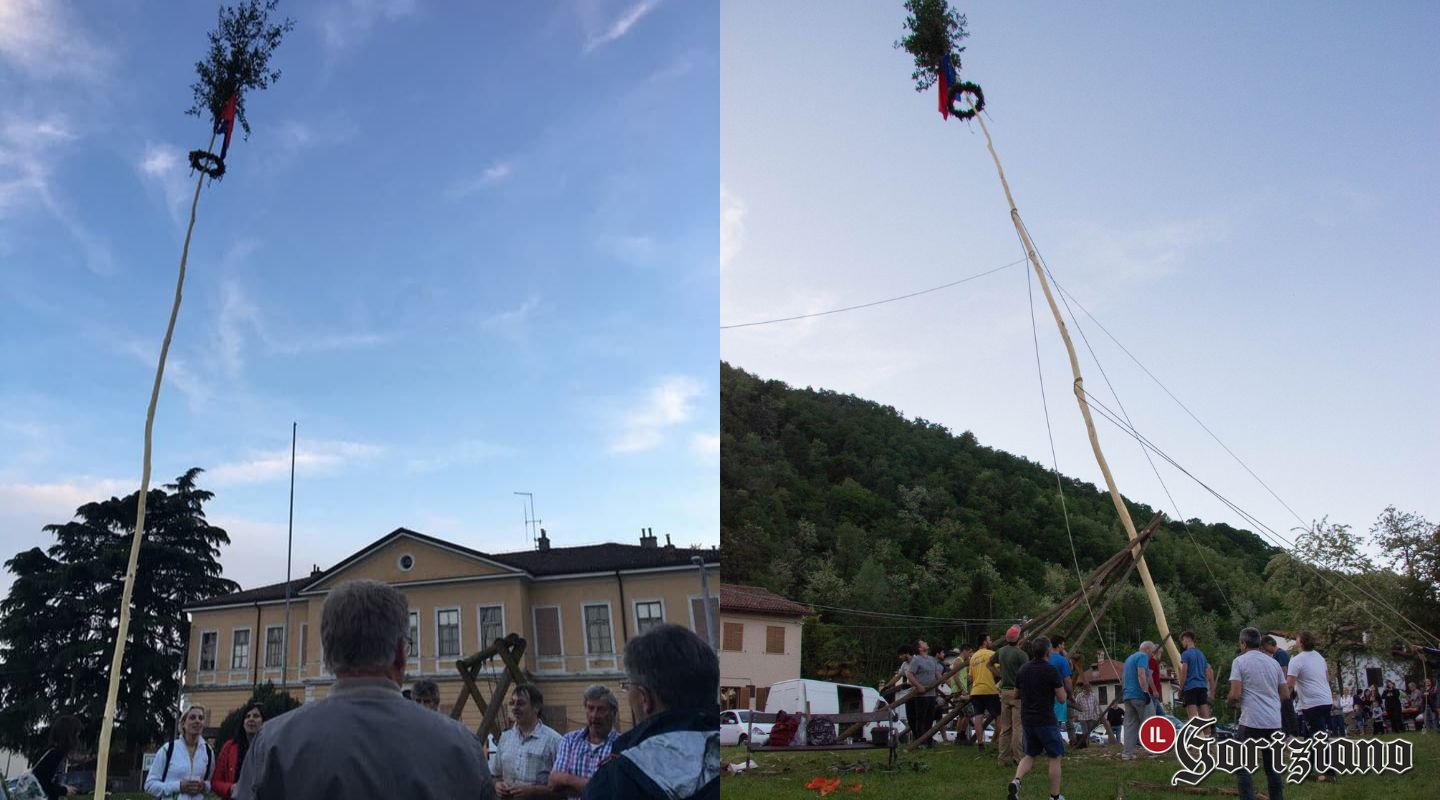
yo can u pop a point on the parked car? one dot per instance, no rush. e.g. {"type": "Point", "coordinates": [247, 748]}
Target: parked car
{"type": "Point", "coordinates": [821, 697]}
{"type": "Point", "coordinates": [736, 728]}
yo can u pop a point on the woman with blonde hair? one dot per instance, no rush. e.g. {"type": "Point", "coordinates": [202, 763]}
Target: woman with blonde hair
{"type": "Point", "coordinates": [182, 768]}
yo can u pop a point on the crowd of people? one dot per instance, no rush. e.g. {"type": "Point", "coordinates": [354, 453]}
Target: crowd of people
{"type": "Point", "coordinates": [367, 739]}
{"type": "Point", "coordinates": [1039, 701]}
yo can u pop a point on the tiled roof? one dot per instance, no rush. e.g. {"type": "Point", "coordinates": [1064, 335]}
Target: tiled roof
{"type": "Point", "coordinates": [755, 600]}
{"type": "Point", "coordinates": [598, 558]}
{"type": "Point", "coordinates": [606, 557]}
{"type": "Point", "coordinates": [260, 594]}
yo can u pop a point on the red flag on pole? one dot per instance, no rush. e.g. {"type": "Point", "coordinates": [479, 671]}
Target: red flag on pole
{"type": "Point", "coordinates": [226, 123]}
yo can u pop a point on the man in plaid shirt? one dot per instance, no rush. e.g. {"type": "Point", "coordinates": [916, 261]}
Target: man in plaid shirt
{"type": "Point", "coordinates": [581, 751]}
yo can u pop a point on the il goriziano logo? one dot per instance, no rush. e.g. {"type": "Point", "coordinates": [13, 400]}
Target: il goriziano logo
{"type": "Point", "coordinates": [1295, 758]}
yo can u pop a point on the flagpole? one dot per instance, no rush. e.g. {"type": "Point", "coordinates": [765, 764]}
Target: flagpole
{"type": "Point", "coordinates": [289, 539]}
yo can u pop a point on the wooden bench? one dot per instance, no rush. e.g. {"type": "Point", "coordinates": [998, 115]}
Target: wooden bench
{"type": "Point", "coordinates": [882, 717]}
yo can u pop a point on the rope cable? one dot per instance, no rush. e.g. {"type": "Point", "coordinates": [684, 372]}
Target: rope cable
{"type": "Point", "coordinates": [1293, 548]}
{"type": "Point", "coordinates": [874, 302]}
{"type": "Point", "coordinates": [1055, 459]}
{"type": "Point", "coordinates": [1121, 405]}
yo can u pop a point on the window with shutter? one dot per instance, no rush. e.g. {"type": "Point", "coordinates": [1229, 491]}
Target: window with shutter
{"type": "Point", "coordinates": [697, 614]}
{"type": "Point", "coordinates": [774, 639]}
{"type": "Point", "coordinates": [547, 632]}
{"type": "Point", "coordinates": [734, 638]}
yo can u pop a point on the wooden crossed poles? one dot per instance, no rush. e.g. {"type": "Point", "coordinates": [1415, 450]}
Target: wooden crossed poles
{"type": "Point", "coordinates": [1107, 579]}
{"type": "Point", "coordinates": [509, 650]}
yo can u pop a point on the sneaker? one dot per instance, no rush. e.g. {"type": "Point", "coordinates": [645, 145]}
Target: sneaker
{"type": "Point", "coordinates": [1013, 793]}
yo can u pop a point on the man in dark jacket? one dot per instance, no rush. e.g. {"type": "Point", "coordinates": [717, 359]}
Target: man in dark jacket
{"type": "Point", "coordinates": [674, 750]}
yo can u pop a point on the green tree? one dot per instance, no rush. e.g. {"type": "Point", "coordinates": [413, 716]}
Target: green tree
{"type": "Point", "coordinates": [58, 622]}
{"type": "Point", "coordinates": [273, 703]}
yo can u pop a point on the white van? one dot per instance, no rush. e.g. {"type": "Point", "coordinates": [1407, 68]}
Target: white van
{"type": "Point", "coordinates": [827, 698]}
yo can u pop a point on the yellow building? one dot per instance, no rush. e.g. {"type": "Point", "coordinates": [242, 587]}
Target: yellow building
{"type": "Point", "coordinates": [576, 607]}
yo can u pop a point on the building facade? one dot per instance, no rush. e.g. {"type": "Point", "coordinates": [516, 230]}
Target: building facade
{"type": "Point", "coordinates": [759, 642]}
{"type": "Point", "coordinates": [576, 607]}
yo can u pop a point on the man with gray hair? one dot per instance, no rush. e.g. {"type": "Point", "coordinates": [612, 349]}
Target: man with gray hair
{"type": "Point", "coordinates": [1136, 691]}
{"type": "Point", "coordinates": [1257, 684]}
{"type": "Point", "coordinates": [581, 751]}
{"type": "Point", "coordinates": [673, 752]}
{"type": "Point", "coordinates": [365, 739]}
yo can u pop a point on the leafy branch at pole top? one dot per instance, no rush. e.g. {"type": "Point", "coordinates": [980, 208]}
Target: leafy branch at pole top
{"type": "Point", "coordinates": [933, 31]}
{"type": "Point", "coordinates": [239, 59]}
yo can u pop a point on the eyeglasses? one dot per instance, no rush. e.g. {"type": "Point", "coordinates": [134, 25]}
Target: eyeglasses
{"type": "Point", "coordinates": [626, 686]}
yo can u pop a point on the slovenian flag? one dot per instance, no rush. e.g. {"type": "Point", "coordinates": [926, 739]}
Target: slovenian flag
{"type": "Point", "coordinates": [947, 79]}
{"type": "Point", "coordinates": [226, 123]}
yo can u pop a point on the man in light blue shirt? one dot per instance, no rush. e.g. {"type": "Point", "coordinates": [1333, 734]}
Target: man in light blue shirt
{"type": "Point", "coordinates": [1136, 696]}
{"type": "Point", "coordinates": [1060, 660]}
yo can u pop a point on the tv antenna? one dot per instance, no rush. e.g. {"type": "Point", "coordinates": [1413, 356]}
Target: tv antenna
{"type": "Point", "coordinates": [531, 523]}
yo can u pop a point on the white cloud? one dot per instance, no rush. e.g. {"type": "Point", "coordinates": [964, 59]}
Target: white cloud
{"type": "Point", "coordinates": [163, 165]}
{"type": "Point", "coordinates": [511, 322]}
{"type": "Point", "coordinates": [732, 225]}
{"type": "Point", "coordinates": [26, 507]}
{"type": "Point", "coordinates": [667, 404]}
{"type": "Point", "coordinates": [38, 37]}
{"type": "Point", "coordinates": [621, 26]}
{"type": "Point", "coordinates": [706, 444]}
{"type": "Point", "coordinates": [470, 451]}
{"type": "Point", "coordinates": [28, 150]}
{"type": "Point", "coordinates": [348, 22]}
{"type": "Point", "coordinates": [311, 458]}
{"type": "Point", "coordinates": [637, 250]}
{"type": "Point", "coordinates": [240, 317]}
{"type": "Point", "coordinates": [493, 175]}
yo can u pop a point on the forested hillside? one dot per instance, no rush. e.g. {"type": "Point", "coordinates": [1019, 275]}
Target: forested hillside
{"type": "Point", "coordinates": [844, 503]}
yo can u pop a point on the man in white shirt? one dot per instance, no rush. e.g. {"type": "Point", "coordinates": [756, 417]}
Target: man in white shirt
{"type": "Point", "coordinates": [1309, 673]}
{"type": "Point", "coordinates": [1257, 684]}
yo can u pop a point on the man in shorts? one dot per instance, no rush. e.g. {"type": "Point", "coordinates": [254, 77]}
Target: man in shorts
{"type": "Point", "coordinates": [984, 693]}
{"type": "Point", "coordinates": [1197, 678]}
{"type": "Point", "coordinates": [1040, 686]}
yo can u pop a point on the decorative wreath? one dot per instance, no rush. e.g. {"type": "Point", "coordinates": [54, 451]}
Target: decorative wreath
{"type": "Point", "coordinates": [962, 88]}
{"type": "Point", "coordinates": [209, 163]}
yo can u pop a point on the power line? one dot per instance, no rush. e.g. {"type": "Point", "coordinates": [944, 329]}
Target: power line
{"type": "Point", "coordinates": [1292, 547]}
{"type": "Point", "coordinates": [1106, 377]}
{"type": "Point", "coordinates": [882, 614]}
{"type": "Point", "coordinates": [873, 303]}
{"type": "Point", "coordinates": [1055, 459]}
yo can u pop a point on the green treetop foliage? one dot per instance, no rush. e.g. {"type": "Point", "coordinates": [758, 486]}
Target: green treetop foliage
{"type": "Point", "coordinates": [932, 29]}
{"type": "Point", "coordinates": [273, 703]}
{"type": "Point", "coordinates": [239, 59]}
{"type": "Point", "coordinates": [58, 622]}
{"type": "Point", "coordinates": [834, 500]}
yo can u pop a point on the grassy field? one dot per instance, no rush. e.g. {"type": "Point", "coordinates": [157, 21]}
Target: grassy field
{"type": "Point", "coordinates": [1089, 774]}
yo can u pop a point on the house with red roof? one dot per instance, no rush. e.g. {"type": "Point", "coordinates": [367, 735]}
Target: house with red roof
{"type": "Point", "coordinates": [759, 641]}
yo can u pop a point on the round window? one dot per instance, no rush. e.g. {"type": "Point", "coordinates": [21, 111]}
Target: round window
{"type": "Point", "coordinates": [406, 562]}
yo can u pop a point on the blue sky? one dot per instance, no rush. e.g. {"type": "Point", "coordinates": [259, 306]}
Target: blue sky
{"type": "Point", "coordinates": [1244, 194]}
{"type": "Point", "coordinates": [471, 249]}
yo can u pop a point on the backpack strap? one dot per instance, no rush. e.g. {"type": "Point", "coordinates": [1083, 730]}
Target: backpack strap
{"type": "Point", "coordinates": [169, 755]}
{"type": "Point", "coordinates": [209, 760]}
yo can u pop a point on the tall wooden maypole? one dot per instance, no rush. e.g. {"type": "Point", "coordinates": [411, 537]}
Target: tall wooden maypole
{"type": "Point", "coordinates": [238, 60]}
{"type": "Point", "coordinates": [932, 31]}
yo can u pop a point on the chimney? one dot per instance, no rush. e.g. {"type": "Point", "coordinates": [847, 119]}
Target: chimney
{"type": "Point", "coordinates": [668, 545]}
{"type": "Point", "coordinates": [544, 543]}
{"type": "Point", "coordinates": [647, 539]}
{"type": "Point", "coordinates": [314, 570]}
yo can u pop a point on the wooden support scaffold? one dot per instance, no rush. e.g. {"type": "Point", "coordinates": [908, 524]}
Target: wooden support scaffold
{"type": "Point", "coordinates": [1106, 582]}
{"type": "Point", "coordinates": [508, 650]}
